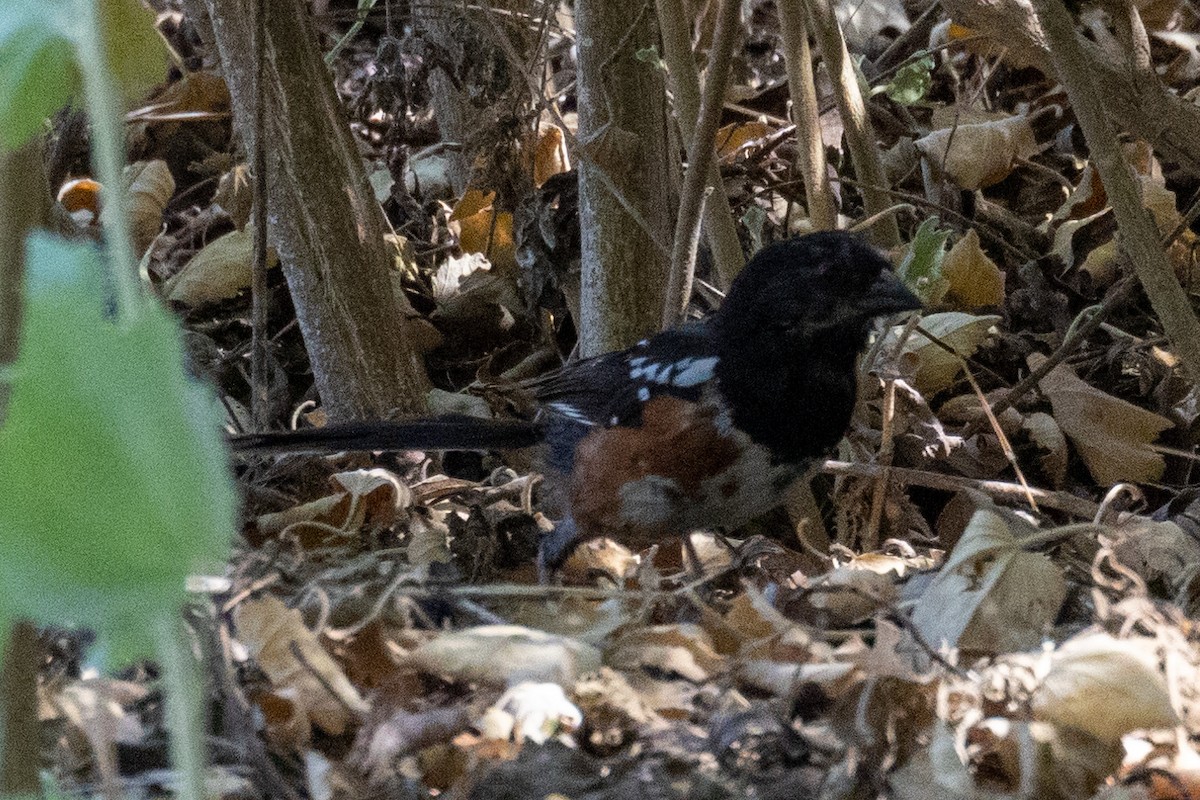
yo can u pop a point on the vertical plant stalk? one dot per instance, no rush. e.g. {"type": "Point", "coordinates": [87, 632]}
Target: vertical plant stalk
{"type": "Point", "coordinates": [860, 138]}
{"type": "Point", "coordinates": [1139, 234]}
{"type": "Point", "coordinates": [103, 102]}
{"type": "Point", "coordinates": [259, 379]}
{"type": "Point", "coordinates": [183, 691]}
{"type": "Point", "coordinates": [810, 154]}
{"type": "Point", "coordinates": [19, 726]}
{"type": "Point", "coordinates": [685, 86]}
{"type": "Point", "coordinates": [24, 207]}
{"type": "Point", "coordinates": [700, 156]}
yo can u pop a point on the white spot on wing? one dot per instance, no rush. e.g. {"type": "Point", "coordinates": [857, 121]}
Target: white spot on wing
{"type": "Point", "coordinates": [570, 412]}
{"type": "Point", "coordinates": [697, 372]}
{"type": "Point", "coordinates": [643, 394]}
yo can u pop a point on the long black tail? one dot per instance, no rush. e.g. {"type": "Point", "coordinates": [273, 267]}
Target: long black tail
{"type": "Point", "coordinates": [450, 432]}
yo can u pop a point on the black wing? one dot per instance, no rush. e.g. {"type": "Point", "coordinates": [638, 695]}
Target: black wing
{"type": "Point", "coordinates": [610, 389]}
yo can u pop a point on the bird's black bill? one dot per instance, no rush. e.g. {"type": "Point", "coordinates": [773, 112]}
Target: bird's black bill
{"type": "Point", "coordinates": [889, 295]}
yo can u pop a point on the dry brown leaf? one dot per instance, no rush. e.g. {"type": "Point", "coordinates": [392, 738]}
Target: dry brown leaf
{"type": "Point", "coordinates": [1112, 435]}
{"type": "Point", "coordinates": [733, 137]}
{"type": "Point", "coordinates": [550, 156]}
{"type": "Point", "coordinates": [151, 187]}
{"type": "Point", "coordinates": [992, 596]}
{"type": "Point", "coordinates": [483, 230]}
{"type": "Point", "coordinates": [505, 655]}
{"type": "Point", "coordinates": [297, 664]}
{"type": "Point", "coordinates": [977, 155]}
{"type": "Point", "coordinates": [973, 280]}
{"type": "Point", "coordinates": [937, 369]}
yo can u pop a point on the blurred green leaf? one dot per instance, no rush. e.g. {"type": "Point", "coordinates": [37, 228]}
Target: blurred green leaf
{"type": "Point", "coordinates": [137, 55]}
{"type": "Point", "coordinates": [37, 77]}
{"type": "Point", "coordinates": [921, 268]}
{"type": "Point", "coordinates": [114, 474]}
{"type": "Point", "coordinates": [912, 82]}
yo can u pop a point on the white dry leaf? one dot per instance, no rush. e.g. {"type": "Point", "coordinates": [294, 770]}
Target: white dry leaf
{"type": "Point", "coordinates": [964, 333]}
{"type": "Point", "coordinates": [378, 496]}
{"type": "Point", "coordinates": [505, 655]}
{"type": "Point", "coordinates": [1112, 435]}
{"type": "Point", "coordinates": [218, 272]}
{"type": "Point", "coordinates": [992, 596]}
{"type": "Point", "coordinates": [533, 711]}
{"type": "Point", "coordinates": [1104, 686]}
{"type": "Point", "coordinates": [293, 659]}
{"type": "Point", "coordinates": [977, 155]}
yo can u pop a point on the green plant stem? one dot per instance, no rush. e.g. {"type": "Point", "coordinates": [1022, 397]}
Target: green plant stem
{"type": "Point", "coordinates": [103, 102]}
{"type": "Point", "coordinates": [182, 687]}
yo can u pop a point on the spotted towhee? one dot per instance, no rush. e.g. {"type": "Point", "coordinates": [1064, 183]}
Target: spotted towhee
{"type": "Point", "coordinates": [702, 426]}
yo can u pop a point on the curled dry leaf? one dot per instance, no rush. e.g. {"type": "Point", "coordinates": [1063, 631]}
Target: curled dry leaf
{"type": "Point", "coordinates": [505, 655]}
{"type": "Point", "coordinates": [1104, 686]}
{"type": "Point", "coordinates": [366, 497]}
{"type": "Point", "coordinates": [682, 650]}
{"type": "Point", "coordinates": [1112, 435]}
{"type": "Point", "coordinates": [296, 663]}
{"type": "Point", "coordinates": [218, 272]}
{"type": "Point", "coordinates": [977, 155]}
{"type": "Point", "coordinates": [963, 333]}
{"type": "Point", "coordinates": [973, 280]}
{"type": "Point", "coordinates": [992, 596]}
{"type": "Point", "coordinates": [151, 187]}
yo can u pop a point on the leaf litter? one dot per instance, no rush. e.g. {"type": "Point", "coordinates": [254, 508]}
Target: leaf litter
{"type": "Point", "coordinates": [915, 628]}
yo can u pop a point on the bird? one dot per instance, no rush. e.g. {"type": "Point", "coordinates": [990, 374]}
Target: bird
{"type": "Point", "coordinates": [699, 427]}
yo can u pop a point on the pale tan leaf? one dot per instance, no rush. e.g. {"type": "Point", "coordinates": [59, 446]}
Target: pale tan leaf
{"type": "Point", "coordinates": [1105, 686]}
{"type": "Point", "coordinates": [218, 272]}
{"type": "Point", "coordinates": [964, 333]}
{"type": "Point", "coordinates": [992, 596]}
{"type": "Point", "coordinates": [1112, 435]}
{"type": "Point", "coordinates": [978, 155]}
{"type": "Point", "coordinates": [505, 655]}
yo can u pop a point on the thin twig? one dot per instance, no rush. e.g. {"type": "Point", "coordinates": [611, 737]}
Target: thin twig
{"type": "Point", "coordinates": [1060, 501]}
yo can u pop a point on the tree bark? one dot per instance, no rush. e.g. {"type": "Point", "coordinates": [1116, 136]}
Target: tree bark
{"type": "Point", "coordinates": [324, 219]}
{"type": "Point", "coordinates": [623, 138]}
